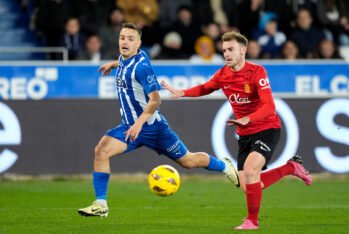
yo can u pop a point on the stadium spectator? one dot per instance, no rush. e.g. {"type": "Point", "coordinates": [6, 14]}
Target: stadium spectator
{"type": "Point", "coordinates": [306, 36]}
{"type": "Point", "coordinates": [92, 14]}
{"type": "Point", "coordinates": [310, 5]}
{"type": "Point", "coordinates": [142, 123]}
{"type": "Point", "coordinates": [72, 39]}
{"type": "Point", "coordinates": [172, 47]}
{"type": "Point", "coordinates": [205, 52]}
{"type": "Point", "coordinates": [92, 50]}
{"type": "Point", "coordinates": [249, 14]}
{"type": "Point", "coordinates": [222, 12]}
{"type": "Point", "coordinates": [332, 15]}
{"type": "Point", "coordinates": [253, 50]}
{"type": "Point", "coordinates": [272, 40]}
{"type": "Point", "coordinates": [283, 12]}
{"type": "Point", "coordinates": [290, 51]}
{"type": "Point", "coordinates": [202, 12]}
{"type": "Point", "coordinates": [212, 30]}
{"type": "Point", "coordinates": [49, 19]}
{"type": "Point", "coordinates": [140, 12]}
{"type": "Point", "coordinates": [168, 11]}
{"type": "Point", "coordinates": [247, 88]}
{"type": "Point", "coordinates": [187, 29]}
{"type": "Point", "coordinates": [328, 50]}
{"type": "Point", "coordinates": [109, 34]}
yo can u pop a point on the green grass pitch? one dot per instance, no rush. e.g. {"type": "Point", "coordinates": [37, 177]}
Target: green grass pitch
{"type": "Point", "coordinates": [201, 206]}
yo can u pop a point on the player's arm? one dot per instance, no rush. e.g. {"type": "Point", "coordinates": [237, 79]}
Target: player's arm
{"type": "Point", "coordinates": [108, 67]}
{"type": "Point", "coordinates": [153, 103]}
{"type": "Point", "coordinates": [267, 109]}
{"type": "Point", "coordinates": [196, 91]}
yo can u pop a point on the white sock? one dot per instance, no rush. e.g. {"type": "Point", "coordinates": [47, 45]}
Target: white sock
{"type": "Point", "coordinates": [102, 202]}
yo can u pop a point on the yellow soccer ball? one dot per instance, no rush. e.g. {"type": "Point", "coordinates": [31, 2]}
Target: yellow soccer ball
{"type": "Point", "coordinates": [164, 180]}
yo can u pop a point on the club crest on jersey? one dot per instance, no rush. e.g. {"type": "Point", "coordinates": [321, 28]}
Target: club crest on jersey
{"type": "Point", "coordinates": [120, 83]}
{"type": "Point", "coordinates": [247, 88]}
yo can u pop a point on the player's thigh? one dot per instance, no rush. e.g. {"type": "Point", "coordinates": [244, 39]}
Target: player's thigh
{"type": "Point", "coordinates": [168, 143]}
{"type": "Point", "coordinates": [254, 161]}
{"type": "Point", "coordinates": [109, 146]}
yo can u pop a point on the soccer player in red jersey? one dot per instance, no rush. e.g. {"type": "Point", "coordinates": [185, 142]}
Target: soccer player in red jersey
{"type": "Point", "coordinates": [246, 85]}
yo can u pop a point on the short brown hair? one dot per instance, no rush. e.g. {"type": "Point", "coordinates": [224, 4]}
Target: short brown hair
{"type": "Point", "coordinates": [132, 26]}
{"type": "Point", "coordinates": [235, 36]}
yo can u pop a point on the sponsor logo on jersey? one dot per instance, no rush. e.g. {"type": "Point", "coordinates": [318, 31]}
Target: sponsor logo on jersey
{"type": "Point", "coordinates": [264, 83]}
{"type": "Point", "coordinates": [235, 98]}
{"type": "Point", "coordinates": [247, 88]}
{"type": "Point", "coordinates": [120, 83]}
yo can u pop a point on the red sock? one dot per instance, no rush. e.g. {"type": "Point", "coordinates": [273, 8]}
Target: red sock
{"type": "Point", "coordinates": [270, 177]}
{"type": "Point", "coordinates": [253, 197]}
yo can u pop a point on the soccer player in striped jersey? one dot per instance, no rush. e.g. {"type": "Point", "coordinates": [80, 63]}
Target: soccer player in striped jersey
{"type": "Point", "coordinates": [142, 122]}
{"type": "Point", "coordinates": [246, 86]}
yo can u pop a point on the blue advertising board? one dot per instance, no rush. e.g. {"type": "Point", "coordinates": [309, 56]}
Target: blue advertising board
{"type": "Point", "coordinates": [76, 81]}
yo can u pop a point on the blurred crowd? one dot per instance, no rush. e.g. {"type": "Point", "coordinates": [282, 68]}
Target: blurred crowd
{"type": "Point", "coordinates": [191, 29]}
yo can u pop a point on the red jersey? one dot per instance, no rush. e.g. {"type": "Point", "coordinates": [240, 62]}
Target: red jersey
{"type": "Point", "coordinates": [249, 94]}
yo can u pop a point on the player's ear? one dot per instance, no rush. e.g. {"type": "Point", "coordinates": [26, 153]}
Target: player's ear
{"type": "Point", "coordinates": [243, 50]}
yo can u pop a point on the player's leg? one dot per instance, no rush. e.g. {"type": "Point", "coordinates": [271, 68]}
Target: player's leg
{"type": "Point", "coordinates": [204, 160]}
{"type": "Point", "coordinates": [255, 151]}
{"type": "Point", "coordinates": [250, 183]}
{"type": "Point", "coordinates": [106, 148]}
{"type": "Point", "coordinates": [292, 167]}
{"type": "Point", "coordinates": [169, 144]}
{"type": "Point", "coordinates": [113, 143]}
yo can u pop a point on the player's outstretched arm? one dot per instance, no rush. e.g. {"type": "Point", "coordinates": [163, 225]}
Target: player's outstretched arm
{"type": "Point", "coordinates": [108, 67]}
{"type": "Point", "coordinates": [176, 93]}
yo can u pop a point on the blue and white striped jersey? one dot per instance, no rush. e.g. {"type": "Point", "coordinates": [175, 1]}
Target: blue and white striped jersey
{"type": "Point", "coordinates": [135, 79]}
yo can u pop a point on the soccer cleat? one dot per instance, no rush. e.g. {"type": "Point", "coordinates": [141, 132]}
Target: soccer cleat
{"type": "Point", "coordinates": [299, 170]}
{"type": "Point", "coordinates": [247, 225]}
{"type": "Point", "coordinates": [95, 209]}
{"type": "Point", "coordinates": [232, 174]}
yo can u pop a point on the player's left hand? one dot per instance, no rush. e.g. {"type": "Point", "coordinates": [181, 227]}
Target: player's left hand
{"type": "Point", "coordinates": [176, 93]}
{"type": "Point", "coordinates": [133, 132]}
{"type": "Point", "coordinates": [238, 122]}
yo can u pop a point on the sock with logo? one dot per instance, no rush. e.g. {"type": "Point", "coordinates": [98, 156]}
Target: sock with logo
{"type": "Point", "coordinates": [271, 177]}
{"type": "Point", "coordinates": [253, 198]}
{"type": "Point", "coordinates": [100, 184]}
{"type": "Point", "coordinates": [215, 164]}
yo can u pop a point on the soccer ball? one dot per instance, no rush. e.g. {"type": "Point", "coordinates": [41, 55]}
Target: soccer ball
{"type": "Point", "coordinates": [164, 180]}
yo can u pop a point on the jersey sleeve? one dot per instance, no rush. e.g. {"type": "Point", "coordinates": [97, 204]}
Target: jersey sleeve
{"type": "Point", "coordinates": [147, 78]}
{"type": "Point", "coordinates": [267, 107]}
{"type": "Point", "coordinates": [203, 89]}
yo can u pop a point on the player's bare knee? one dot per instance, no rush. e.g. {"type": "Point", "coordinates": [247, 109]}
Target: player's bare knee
{"type": "Point", "coordinates": [100, 153]}
{"type": "Point", "coordinates": [250, 172]}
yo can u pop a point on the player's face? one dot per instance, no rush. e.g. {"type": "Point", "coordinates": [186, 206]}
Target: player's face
{"type": "Point", "coordinates": [234, 54]}
{"type": "Point", "coordinates": [129, 42]}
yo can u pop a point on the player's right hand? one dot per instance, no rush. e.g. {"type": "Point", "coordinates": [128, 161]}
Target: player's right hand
{"type": "Point", "coordinates": [107, 68]}
{"type": "Point", "coordinates": [176, 93]}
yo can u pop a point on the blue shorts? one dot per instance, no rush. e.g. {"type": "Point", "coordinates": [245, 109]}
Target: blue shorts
{"type": "Point", "coordinates": [159, 137]}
